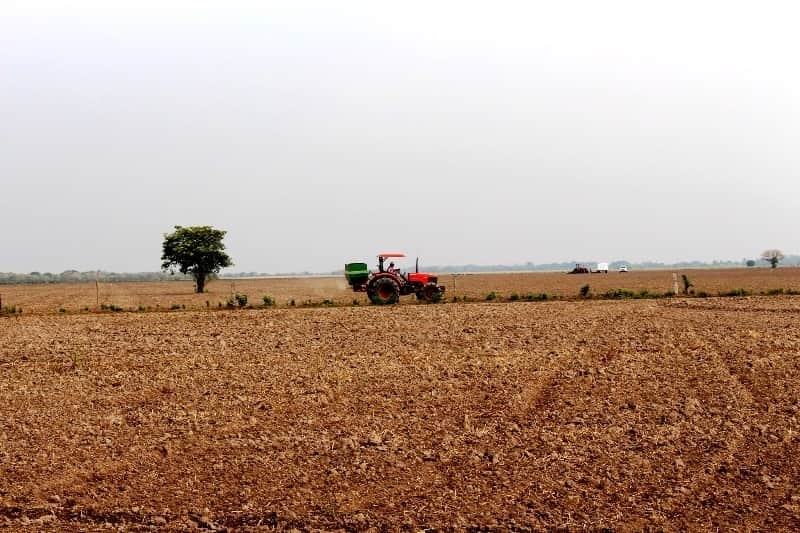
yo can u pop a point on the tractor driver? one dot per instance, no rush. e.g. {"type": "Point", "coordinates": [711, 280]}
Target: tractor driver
{"type": "Point", "coordinates": [391, 269]}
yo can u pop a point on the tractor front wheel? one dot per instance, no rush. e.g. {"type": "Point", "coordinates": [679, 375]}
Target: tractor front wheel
{"type": "Point", "coordinates": [383, 291]}
{"type": "Point", "coordinates": [431, 293]}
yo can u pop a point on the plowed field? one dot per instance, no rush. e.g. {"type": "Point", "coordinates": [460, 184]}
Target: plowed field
{"type": "Point", "coordinates": [74, 298]}
{"type": "Point", "coordinates": [630, 415]}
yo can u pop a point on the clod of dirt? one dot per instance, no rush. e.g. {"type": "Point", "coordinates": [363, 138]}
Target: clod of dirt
{"type": "Point", "coordinates": [206, 522]}
{"type": "Point", "coordinates": [691, 407]}
{"type": "Point", "coordinates": [348, 443]}
{"type": "Point", "coordinates": [45, 519]}
{"type": "Point", "coordinates": [429, 455]}
{"type": "Point", "coordinates": [203, 521]}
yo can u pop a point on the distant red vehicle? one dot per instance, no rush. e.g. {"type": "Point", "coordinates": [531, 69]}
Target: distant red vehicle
{"type": "Point", "coordinates": [580, 269]}
{"type": "Point", "coordinates": [384, 287]}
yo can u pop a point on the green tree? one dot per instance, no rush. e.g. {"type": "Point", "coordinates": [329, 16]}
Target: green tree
{"type": "Point", "coordinates": [686, 283]}
{"type": "Point", "coordinates": [195, 250]}
{"type": "Point", "coordinates": [772, 257]}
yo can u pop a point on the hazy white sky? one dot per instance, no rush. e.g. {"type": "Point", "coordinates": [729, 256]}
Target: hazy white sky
{"type": "Point", "coordinates": [321, 132]}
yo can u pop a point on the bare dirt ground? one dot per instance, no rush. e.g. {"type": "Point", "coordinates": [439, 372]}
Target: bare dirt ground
{"type": "Point", "coordinates": [83, 297]}
{"type": "Point", "coordinates": [628, 415]}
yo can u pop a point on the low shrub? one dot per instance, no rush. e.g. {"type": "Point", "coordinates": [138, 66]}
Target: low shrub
{"type": "Point", "coordinates": [735, 292]}
{"type": "Point", "coordinates": [619, 294]}
{"type": "Point", "coordinates": [531, 297]}
{"type": "Point", "coordinates": [514, 297]}
{"type": "Point", "coordinates": [686, 283]}
{"type": "Point", "coordinates": [491, 296]}
{"type": "Point", "coordinates": [268, 300]}
{"type": "Point", "coordinates": [584, 291]}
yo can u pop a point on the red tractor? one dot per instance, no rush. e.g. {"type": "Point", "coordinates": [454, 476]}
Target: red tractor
{"type": "Point", "coordinates": [580, 269]}
{"type": "Point", "coordinates": [387, 284]}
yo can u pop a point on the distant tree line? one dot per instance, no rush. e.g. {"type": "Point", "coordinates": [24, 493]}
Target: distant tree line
{"type": "Point", "coordinates": [73, 276]}
{"type": "Point", "coordinates": [789, 260]}
{"type": "Point", "coordinates": [272, 274]}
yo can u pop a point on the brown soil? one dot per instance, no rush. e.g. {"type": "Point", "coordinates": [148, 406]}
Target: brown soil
{"type": "Point", "coordinates": [661, 415]}
{"type": "Point", "coordinates": [77, 298]}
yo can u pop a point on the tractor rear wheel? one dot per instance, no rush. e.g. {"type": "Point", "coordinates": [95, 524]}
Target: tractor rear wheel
{"type": "Point", "coordinates": [383, 291]}
{"type": "Point", "coordinates": [430, 293]}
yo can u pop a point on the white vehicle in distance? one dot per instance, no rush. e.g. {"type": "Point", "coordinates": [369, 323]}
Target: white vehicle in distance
{"type": "Point", "coordinates": [623, 268]}
{"type": "Point", "coordinates": [602, 267]}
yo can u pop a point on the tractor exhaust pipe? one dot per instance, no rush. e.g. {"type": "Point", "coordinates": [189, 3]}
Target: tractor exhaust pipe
{"type": "Point", "coordinates": [417, 266]}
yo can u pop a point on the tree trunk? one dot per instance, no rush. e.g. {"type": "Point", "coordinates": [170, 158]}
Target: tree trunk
{"type": "Point", "coordinates": [200, 279]}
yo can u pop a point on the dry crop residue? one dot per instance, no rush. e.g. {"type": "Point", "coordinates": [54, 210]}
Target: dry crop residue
{"type": "Point", "coordinates": [628, 415]}
{"type": "Point", "coordinates": [308, 291]}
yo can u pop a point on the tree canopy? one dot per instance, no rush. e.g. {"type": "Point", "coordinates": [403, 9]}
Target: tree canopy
{"type": "Point", "coordinates": [772, 257]}
{"type": "Point", "coordinates": [195, 250]}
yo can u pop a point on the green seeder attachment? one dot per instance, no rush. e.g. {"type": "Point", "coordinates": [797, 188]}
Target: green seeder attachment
{"type": "Point", "coordinates": [356, 273]}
